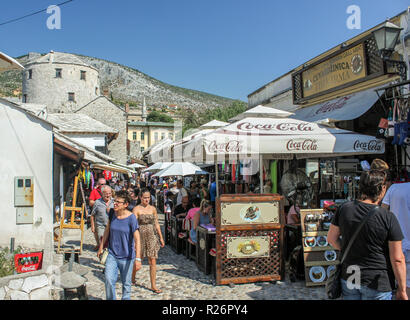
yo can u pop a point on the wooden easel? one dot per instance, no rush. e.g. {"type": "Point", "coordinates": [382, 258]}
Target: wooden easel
{"type": "Point", "coordinates": [73, 223]}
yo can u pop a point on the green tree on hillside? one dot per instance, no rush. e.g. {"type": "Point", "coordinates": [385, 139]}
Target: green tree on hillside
{"type": "Point", "coordinates": [156, 116]}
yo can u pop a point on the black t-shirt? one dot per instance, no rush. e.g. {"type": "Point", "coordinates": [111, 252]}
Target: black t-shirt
{"type": "Point", "coordinates": [370, 250]}
{"type": "Point", "coordinates": [180, 209]}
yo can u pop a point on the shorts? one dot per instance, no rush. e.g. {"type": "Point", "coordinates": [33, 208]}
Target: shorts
{"type": "Point", "coordinates": [407, 256]}
{"type": "Point", "coordinates": [100, 231]}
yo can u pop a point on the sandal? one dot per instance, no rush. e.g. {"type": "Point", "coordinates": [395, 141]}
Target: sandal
{"type": "Point", "coordinates": [157, 291]}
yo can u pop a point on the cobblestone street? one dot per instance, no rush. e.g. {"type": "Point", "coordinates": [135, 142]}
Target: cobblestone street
{"type": "Point", "coordinates": [180, 279]}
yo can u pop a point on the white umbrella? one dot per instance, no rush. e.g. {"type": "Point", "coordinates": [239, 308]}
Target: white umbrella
{"type": "Point", "coordinates": [262, 112]}
{"type": "Point", "coordinates": [136, 165]}
{"type": "Point", "coordinates": [278, 139]}
{"type": "Point", "coordinates": [8, 63]}
{"type": "Point", "coordinates": [180, 169]}
{"type": "Point", "coordinates": [158, 166]}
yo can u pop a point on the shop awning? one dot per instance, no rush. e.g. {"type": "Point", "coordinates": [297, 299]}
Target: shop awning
{"type": "Point", "coordinates": [344, 108]}
{"type": "Point", "coordinates": [109, 167]}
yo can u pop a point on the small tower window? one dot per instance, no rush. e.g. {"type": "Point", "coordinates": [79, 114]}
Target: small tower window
{"type": "Point", "coordinates": [30, 74]}
{"type": "Point", "coordinates": [24, 98]}
{"type": "Point", "coordinates": [134, 136]}
{"type": "Point", "coordinates": [96, 91]}
{"type": "Point", "coordinates": [82, 75]}
{"type": "Point", "coordinates": [142, 136]}
{"type": "Point", "coordinates": [162, 135]}
{"type": "Point", "coordinates": [142, 149]}
{"type": "Point", "coordinates": [71, 96]}
{"type": "Point", "coordinates": [59, 73]}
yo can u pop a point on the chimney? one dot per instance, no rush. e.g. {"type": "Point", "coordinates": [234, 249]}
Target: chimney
{"type": "Point", "coordinates": [127, 108]}
{"type": "Point", "coordinates": [51, 58]}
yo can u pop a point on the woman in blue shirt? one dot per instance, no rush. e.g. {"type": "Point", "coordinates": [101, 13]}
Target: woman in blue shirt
{"type": "Point", "coordinates": [201, 217]}
{"type": "Point", "coordinates": [123, 247]}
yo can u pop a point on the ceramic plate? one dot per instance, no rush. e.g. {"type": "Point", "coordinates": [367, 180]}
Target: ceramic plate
{"type": "Point", "coordinates": [330, 269]}
{"type": "Point", "coordinates": [321, 241]}
{"type": "Point", "coordinates": [317, 274]}
{"type": "Point", "coordinates": [330, 255]}
{"type": "Point", "coordinates": [310, 242]}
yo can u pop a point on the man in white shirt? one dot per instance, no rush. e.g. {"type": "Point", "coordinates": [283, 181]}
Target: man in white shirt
{"type": "Point", "coordinates": [182, 192]}
{"type": "Point", "coordinates": [397, 200]}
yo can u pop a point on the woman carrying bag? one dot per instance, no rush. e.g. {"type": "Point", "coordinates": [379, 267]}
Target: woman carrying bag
{"type": "Point", "coordinates": [123, 247]}
{"type": "Point", "coordinates": [370, 245]}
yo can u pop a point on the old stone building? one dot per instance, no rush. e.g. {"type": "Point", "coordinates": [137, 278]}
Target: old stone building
{"type": "Point", "coordinates": [66, 84]}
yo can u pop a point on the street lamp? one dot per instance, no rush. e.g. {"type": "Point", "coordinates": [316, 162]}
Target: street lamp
{"type": "Point", "coordinates": [386, 38]}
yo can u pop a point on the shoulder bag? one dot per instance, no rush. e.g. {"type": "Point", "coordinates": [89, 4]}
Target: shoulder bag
{"type": "Point", "coordinates": [333, 284]}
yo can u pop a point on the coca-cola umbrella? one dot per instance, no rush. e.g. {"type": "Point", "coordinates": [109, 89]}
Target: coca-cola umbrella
{"type": "Point", "coordinates": [276, 138]}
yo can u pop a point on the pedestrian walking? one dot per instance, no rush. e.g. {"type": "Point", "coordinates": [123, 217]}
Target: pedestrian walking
{"type": "Point", "coordinates": [376, 256]}
{"type": "Point", "coordinates": [397, 200]}
{"type": "Point", "coordinates": [99, 214]}
{"type": "Point", "coordinates": [123, 247]}
{"type": "Point", "coordinates": [96, 192]}
{"type": "Point", "coordinates": [151, 236]}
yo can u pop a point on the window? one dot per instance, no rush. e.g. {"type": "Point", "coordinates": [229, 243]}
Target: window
{"type": "Point", "coordinates": [156, 136]}
{"type": "Point", "coordinates": [101, 149]}
{"type": "Point", "coordinates": [71, 96]}
{"type": "Point", "coordinates": [134, 136]}
{"type": "Point", "coordinates": [142, 149]}
{"type": "Point", "coordinates": [59, 73]}
{"type": "Point", "coordinates": [24, 98]}
{"type": "Point", "coordinates": [142, 136]}
{"type": "Point", "coordinates": [30, 74]}
{"type": "Point", "coordinates": [82, 75]}
{"type": "Point", "coordinates": [171, 135]}
{"type": "Point", "coordinates": [162, 135]}
{"type": "Point", "coordinates": [96, 91]}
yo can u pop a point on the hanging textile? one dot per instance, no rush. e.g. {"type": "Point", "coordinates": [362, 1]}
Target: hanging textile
{"type": "Point", "coordinates": [92, 180]}
{"type": "Point", "coordinates": [233, 174]}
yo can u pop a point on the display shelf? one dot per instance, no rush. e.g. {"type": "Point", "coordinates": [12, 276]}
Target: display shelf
{"type": "Point", "coordinates": [314, 233]}
{"type": "Point", "coordinates": [321, 263]}
{"type": "Point", "coordinates": [309, 249]}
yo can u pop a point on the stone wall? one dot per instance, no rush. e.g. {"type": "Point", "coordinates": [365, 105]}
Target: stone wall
{"type": "Point", "coordinates": [103, 110]}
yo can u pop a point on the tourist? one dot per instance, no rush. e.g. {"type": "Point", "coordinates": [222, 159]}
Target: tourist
{"type": "Point", "coordinates": [377, 250]}
{"type": "Point", "coordinates": [135, 198]}
{"type": "Point", "coordinates": [182, 209]}
{"type": "Point", "coordinates": [397, 200]}
{"type": "Point", "coordinates": [193, 191]}
{"type": "Point", "coordinates": [267, 188]}
{"type": "Point", "coordinates": [96, 193]}
{"type": "Point", "coordinates": [99, 214]}
{"type": "Point", "coordinates": [379, 164]}
{"type": "Point", "coordinates": [202, 216]}
{"type": "Point", "coordinates": [204, 192]}
{"type": "Point", "coordinates": [191, 212]}
{"type": "Point", "coordinates": [151, 236]}
{"type": "Point", "coordinates": [123, 247]}
{"type": "Point", "coordinates": [212, 193]}
{"type": "Point", "coordinates": [181, 192]}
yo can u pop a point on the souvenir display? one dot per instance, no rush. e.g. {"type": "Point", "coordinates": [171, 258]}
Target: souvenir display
{"type": "Point", "coordinates": [317, 274]}
{"type": "Point", "coordinates": [310, 242]}
{"type": "Point", "coordinates": [319, 257]}
{"type": "Point", "coordinates": [321, 241]}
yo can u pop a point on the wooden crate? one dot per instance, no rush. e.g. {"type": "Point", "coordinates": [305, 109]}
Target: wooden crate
{"type": "Point", "coordinates": [249, 238]}
{"type": "Point", "coordinates": [314, 256]}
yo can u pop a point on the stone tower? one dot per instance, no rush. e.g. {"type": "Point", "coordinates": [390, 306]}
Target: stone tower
{"type": "Point", "coordinates": [61, 81]}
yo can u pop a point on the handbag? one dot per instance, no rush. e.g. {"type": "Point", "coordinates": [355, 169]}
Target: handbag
{"type": "Point", "coordinates": [333, 285]}
{"type": "Point", "coordinates": [103, 256]}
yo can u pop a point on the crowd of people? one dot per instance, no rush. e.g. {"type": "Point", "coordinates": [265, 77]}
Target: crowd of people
{"type": "Point", "coordinates": [124, 221]}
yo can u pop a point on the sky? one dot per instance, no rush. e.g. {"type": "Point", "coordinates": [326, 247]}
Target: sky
{"type": "Point", "coordinates": [225, 47]}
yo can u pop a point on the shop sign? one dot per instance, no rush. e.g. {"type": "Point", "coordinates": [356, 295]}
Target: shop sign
{"type": "Point", "coordinates": [248, 247]}
{"type": "Point", "coordinates": [343, 68]}
{"type": "Point", "coordinates": [302, 145]}
{"type": "Point", "coordinates": [249, 213]}
{"type": "Point", "coordinates": [372, 145]}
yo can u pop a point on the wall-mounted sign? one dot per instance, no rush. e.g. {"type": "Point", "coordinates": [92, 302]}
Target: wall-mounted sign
{"type": "Point", "coordinates": [351, 65]}
{"type": "Point", "coordinates": [339, 70]}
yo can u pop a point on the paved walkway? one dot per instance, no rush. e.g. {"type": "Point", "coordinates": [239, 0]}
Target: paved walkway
{"type": "Point", "coordinates": [180, 279]}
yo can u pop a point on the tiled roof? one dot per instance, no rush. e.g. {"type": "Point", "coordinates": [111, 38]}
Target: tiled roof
{"type": "Point", "coordinates": [58, 57]}
{"type": "Point", "coordinates": [77, 122]}
{"type": "Point", "coordinates": [150, 124]}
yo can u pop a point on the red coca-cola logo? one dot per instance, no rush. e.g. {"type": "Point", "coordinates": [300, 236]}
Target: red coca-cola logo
{"type": "Point", "coordinates": [284, 126]}
{"type": "Point", "coordinates": [301, 145]}
{"type": "Point", "coordinates": [331, 106]}
{"type": "Point", "coordinates": [29, 268]}
{"type": "Point", "coordinates": [372, 145]}
{"type": "Point", "coordinates": [230, 146]}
